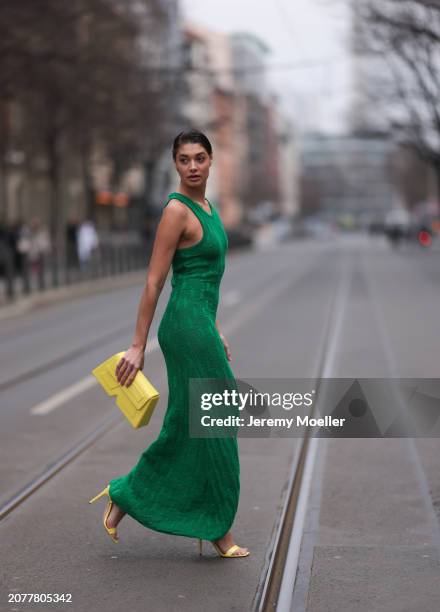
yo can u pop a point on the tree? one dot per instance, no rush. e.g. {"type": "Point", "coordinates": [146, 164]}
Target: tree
{"type": "Point", "coordinates": [401, 40]}
{"type": "Point", "coordinates": [76, 71]}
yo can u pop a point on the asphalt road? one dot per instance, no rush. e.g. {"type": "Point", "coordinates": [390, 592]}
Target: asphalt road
{"type": "Point", "coordinates": [275, 304]}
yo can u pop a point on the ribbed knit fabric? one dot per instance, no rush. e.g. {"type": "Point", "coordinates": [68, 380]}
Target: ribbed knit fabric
{"type": "Point", "coordinates": [182, 485]}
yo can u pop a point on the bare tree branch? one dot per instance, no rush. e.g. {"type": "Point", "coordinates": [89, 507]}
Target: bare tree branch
{"type": "Point", "coordinates": [405, 36]}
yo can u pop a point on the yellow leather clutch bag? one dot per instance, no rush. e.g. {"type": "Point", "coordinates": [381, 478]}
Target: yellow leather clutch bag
{"type": "Point", "coordinates": [137, 401]}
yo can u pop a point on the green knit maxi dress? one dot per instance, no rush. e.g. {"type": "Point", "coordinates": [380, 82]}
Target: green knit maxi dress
{"type": "Point", "coordinates": [182, 485]}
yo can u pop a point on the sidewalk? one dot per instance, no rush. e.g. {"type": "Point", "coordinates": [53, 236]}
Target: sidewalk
{"type": "Point", "coordinates": [51, 296]}
{"type": "Point", "coordinates": [117, 255]}
{"type": "Point", "coordinates": [372, 539]}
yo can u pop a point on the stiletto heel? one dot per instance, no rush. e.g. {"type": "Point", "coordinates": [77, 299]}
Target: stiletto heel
{"type": "Point", "coordinates": [104, 492]}
{"type": "Point", "coordinates": [229, 553]}
{"type": "Point", "coordinates": [110, 530]}
{"type": "Point", "coordinates": [200, 546]}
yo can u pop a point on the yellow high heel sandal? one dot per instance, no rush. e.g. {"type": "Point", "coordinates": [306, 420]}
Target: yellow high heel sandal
{"type": "Point", "coordinates": [229, 554]}
{"type": "Point", "coordinates": [110, 530]}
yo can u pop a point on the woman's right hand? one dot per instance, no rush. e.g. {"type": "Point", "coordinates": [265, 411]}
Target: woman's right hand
{"type": "Point", "coordinates": [128, 366]}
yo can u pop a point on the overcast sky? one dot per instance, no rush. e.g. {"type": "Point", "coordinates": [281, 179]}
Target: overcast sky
{"type": "Point", "coordinates": [308, 33]}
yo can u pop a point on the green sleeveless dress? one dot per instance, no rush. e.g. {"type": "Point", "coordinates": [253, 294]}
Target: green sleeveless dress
{"type": "Point", "coordinates": [186, 485]}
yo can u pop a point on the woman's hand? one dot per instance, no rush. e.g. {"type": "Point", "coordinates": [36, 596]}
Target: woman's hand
{"type": "Point", "coordinates": [129, 364]}
{"type": "Point", "coordinates": [226, 346]}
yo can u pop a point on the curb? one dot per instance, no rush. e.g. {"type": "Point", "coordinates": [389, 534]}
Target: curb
{"type": "Point", "coordinates": [52, 296]}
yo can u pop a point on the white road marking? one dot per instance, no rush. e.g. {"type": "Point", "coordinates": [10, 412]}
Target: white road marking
{"type": "Point", "coordinates": [63, 396]}
{"type": "Point", "coordinates": [58, 399]}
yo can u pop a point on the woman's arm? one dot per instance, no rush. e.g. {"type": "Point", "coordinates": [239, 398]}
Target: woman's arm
{"type": "Point", "coordinates": [169, 231]}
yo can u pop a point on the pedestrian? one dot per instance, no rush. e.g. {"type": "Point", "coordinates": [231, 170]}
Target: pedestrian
{"type": "Point", "coordinates": [40, 245]}
{"type": "Point", "coordinates": [72, 242]}
{"type": "Point", "coordinates": [88, 241]}
{"type": "Point", "coordinates": [19, 243]}
{"type": "Point", "coordinates": [183, 485]}
{"type": "Point", "coordinates": [5, 252]}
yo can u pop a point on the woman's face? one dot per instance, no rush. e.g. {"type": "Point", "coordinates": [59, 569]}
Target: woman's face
{"type": "Point", "coordinates": [192, 164]}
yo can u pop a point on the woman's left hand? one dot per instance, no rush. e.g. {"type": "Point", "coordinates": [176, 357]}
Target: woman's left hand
{"type": "Point", "coordinates": [226, 346]}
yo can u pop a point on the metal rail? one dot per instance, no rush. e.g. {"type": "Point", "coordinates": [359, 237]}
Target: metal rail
{"type": "Point", "coordinates": [18, 498]}
{"type": "Point", "coordinates": [278, 577]}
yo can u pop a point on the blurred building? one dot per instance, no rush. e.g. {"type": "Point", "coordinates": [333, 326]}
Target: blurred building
{"type": "Point", "coordinates": [228, 139]}
{"type": "Point", "coordinates": [227, 96]}
{"type": "Point", "coordinates": [197, 102]}
{"type": "Point", "coordinates": [254, 174]}
{"type": "Point", "coordinates": [24, 183]}
{"type": "Point", "coordinates": [208, 106]}
{"type": "Point", "coordinates": [258, 153]}
{"type": "Point", "coordinates": [158, 47]}
{"type": "Point", "coordinates": [347, 175]}
{"type": "Point", "coordinates": [249, 56]}
{"type": "Point", "coordinates": [161, 45]}
{"type": "Point", "coordinates": [289, 167]}
{"type": "Point", "coordinates": [199, 82]}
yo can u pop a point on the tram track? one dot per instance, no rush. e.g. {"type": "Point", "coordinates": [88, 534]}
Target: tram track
{"type": "Point", "coordinates": [275, 590]}
{"type": "Point", "coordinates": [59, 464]}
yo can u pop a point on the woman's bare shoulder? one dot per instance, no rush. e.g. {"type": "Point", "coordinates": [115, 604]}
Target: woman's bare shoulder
{"type": "Point", "coordinates": [172, 224]}
{"type": "Point", "coordinates": [174, 210]}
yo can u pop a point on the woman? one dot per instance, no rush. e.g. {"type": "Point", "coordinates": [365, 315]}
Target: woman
{"type": "Point", "coordinates": [183, 485]}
